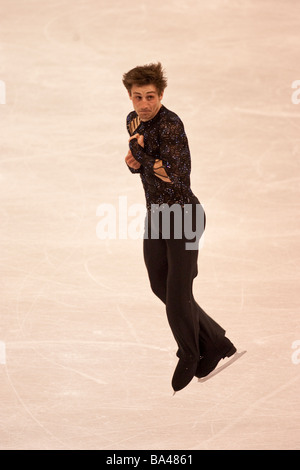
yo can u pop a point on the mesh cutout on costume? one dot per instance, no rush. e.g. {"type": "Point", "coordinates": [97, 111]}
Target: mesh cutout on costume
{"type": "Point", "coordinates": [133, 125]}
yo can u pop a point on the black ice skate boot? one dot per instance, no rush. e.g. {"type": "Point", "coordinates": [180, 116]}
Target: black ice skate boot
{"type": "Point", "coordinates": [212, 357]}
{"type": "Point", "coordinates": [183, 374]}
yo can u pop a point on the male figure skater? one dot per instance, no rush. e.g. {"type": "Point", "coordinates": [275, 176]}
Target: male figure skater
{"type": "Point", "coordinates": [159, 152]}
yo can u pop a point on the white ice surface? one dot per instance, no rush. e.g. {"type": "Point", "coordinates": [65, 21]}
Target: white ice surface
{"type": "Point", "coordinates": [87, 355]}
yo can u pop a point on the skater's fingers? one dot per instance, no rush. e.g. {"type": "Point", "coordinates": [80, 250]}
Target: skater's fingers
{"type": "Point", "coordinates": [132, 162]}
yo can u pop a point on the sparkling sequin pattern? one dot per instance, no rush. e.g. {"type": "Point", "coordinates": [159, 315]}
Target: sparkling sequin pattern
{"type": "Point", "coordinates": [165, 140]}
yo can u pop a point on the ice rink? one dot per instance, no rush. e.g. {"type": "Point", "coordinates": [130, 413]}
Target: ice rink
{"type": "Point", "coordinates": [86, 353]}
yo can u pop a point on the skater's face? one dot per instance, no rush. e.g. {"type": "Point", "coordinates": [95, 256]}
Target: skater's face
{"type": "Point", "coordinates": [146, 101]}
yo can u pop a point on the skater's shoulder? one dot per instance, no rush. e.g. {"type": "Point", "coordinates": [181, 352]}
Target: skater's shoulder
{"type": "Point", "coordinates": [131, 116]}
{"type": "Point", "coordinates": [170, 122]}
{"type": "Point", "coordinates": [170, 116]}
{"type": "Point", "coordinates": [168, 113]}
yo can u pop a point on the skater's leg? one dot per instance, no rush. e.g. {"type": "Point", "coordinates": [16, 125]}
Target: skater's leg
{"type": "Point", "coordinates": [181, 311]}
{"type": "Point", "coordinates": [214, 345]}
{"type": "Point", "coordinates": [180, 305]}
{"type": "Point", "coordinates": [155, 257]}
{"type": "Point", "coordinates": [210, 333]}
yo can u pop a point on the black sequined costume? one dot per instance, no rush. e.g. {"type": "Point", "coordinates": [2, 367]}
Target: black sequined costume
{"type": "Point", "coordinates": [171, 267]}
{"type": "Point", "coordinates": [165, 140]}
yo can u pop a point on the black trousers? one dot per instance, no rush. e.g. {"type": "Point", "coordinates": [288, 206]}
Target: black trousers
{"type": "Point", "coordinates": [172, 267]}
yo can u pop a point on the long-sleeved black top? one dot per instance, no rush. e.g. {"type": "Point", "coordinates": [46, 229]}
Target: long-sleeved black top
{"type": "Point", "coordinates": [165, 140]}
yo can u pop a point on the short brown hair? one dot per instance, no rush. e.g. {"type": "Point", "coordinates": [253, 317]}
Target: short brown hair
{"type": "Point", "coordinates": [145, 75]}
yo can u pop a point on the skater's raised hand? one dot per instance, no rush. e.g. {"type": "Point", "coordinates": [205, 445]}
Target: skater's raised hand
{"type": "Point", "coordinates": [139, 137]}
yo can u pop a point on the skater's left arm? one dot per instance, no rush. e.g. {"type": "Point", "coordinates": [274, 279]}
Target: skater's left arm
{"type": "Point", "coordinates": [174, 150]}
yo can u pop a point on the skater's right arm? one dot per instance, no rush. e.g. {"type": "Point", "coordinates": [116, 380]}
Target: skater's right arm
{"type": "Point", "coordinates": [133, 165]}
